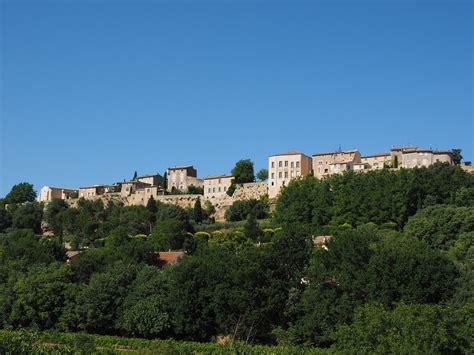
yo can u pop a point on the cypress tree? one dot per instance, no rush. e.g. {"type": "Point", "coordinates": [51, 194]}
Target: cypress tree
{"type": "Point", "coordinates": [197, 213]}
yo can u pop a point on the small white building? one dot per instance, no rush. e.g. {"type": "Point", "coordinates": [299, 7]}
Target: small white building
{"type": "Point", "coordinates": [217, 185]}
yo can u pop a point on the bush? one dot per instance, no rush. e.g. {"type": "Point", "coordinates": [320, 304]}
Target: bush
{"type": "Point", "coordinates": [241, 209]}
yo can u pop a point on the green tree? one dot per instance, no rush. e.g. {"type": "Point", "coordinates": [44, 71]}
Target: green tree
{"type": "Point", "coordinates": [165, 181]}
{"type": "Point", "coordinates": [456, 156]}
{"type": "Point", "coordinates": [440, 225]}
{"type": "Point", "coordinates": [408, 329]}
{"type": "Point", "coordinates": [197, 211]}
{"type": "Point", "coordinates": [262, 174]}
{"type": "Point", "coordinates": [40, 297]}
{"type": "Point", "coordinates": [147, 318]}
{"type": "Point", "coordinates": [28, 215]}
{"type": "Point", "coordinates": [168, 234]}
{"type": "Point", "coordinates": [195, 190]}
{"type": "Point", "coordinates": [97, 304]}
{"type": "Point", "coordinates": [240, 209]}
{"type": "Point", "coordinates": [54, 215]}
{"type": "Point", "coordinates": [21, 193]}
{"type": "Point", "coordinates": [403, 269]}
{"type": "Point", "coordinates": [251, 228]}
{"type": "Point", "coordinates": [152, 208]}
{"type": "Point", "coordinates": [134, 176]}
{"type": "Point", "coordinates": [243, 172]}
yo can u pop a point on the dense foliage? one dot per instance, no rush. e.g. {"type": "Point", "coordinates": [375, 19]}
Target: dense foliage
{"type": "Point", "coordinates": [396, 276]}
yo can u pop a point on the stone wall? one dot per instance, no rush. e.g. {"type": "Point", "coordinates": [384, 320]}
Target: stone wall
{"type": "Point", "coordinates": [220, 203]}
{"type": "Point", "coordinates": [250, 190]}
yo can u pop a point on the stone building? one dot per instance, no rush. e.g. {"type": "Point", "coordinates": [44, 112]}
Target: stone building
{"type": "Point", "coordinates": [48, 193]}
{"type": "Point", "coordinates": [284, 167]}
{"type": "Point", "coordinates": [89, 192]}
{"type": "Point", "coordinates": [217, 185]}
{"type": "Point", "coordinates": [325, 164]}
{"type": "Point", "coordinates": [377, 161]}
{"type": "Point", "coordinates": [412, 157]}
{"type": "Point", "coordinates": [153, 179]}
{"type": "Point", "coordinates": [131, 187]}
{"type": "Point", "coordinates": [181, 177]}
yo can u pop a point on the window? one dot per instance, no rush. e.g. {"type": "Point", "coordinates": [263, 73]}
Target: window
{"type": "Point", "coordinates": [279, 174]}
{"type": "Point", "coordinates": [273, 175]}
{"type": "Point", "coordinates": [273, 183]}
{"type": "Point", "coordinates": [219, 189]}
{"type": "Point", "coordinates": [209, 190]}
{"type": "Point", "coordinates": [219, 181]}
{"type": "Point", "coordinates": [320, 162]}
{"type": "Point", "coordinates": [292, 164]}
{"type": "Point", "coordinates": [286, 174]}
{"type": "Point", "coordinates": [148, 190]}
{"type": "Point", "coordinates": [297, 164]}
{"type": "Point", "coordinates": [279, 164]}
{"type": "Point", "coordinates": [273, 164]}
{"type": "Point", "coordinates": [213, 189]}
{"type": "Point", "coordinates": [225, 188]}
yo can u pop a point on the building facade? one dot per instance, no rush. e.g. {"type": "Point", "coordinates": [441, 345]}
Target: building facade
{"type": "Point", "coordinates": [89, 192]}
{"type": "Point", "coordinates": [284, 167]}
{"type": "Point", "coordinates": [217, 185]}
{"type": "Point", "coordinates": [181, 177]}
{"type": "Point", "coordinates": [377, 161]}
{"type": "Point", "coordinates": [48, 193]}
{"type": "Point", "coordinates": [326, 164]}
{"type": "Point", "coordinates": [414, 157]}
{"type": "Point", "coordinates": [153, 179]}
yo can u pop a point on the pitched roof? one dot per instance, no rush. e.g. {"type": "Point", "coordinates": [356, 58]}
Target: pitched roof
{"type": "Point", "coordinates": [218, 176]}
{"type": "Point", "coordinates": [59, 188]}
{"type": "Point", "coordinates": [170, 257]}
{"type": "Point", "coordinates": [149, 175]}
{"type": "Point", "coordinates": [289, 153]}
{"type": "Point", "coordinates": [181, 167]}
{"type": "Point", "coordinates": [337, 152]}
{"type": "Point", "coordinates": [376, 155]}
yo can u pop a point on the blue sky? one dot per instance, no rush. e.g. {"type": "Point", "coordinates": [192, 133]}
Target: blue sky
{"type": "Point", "coordinates": [92, 91]}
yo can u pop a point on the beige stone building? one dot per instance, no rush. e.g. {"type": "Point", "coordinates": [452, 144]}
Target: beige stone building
{"type": "Point", "coordinates": [377, 161]}
{"type": "Point", "coordinates": [89, 192]}
{"type": "Point", "coordinates": [217, 185]}
{"type": "Point", "coordinates": [284, 167]}
{"type": "Point", "coordinates": [48, 193]}
{"type": "Point", "coordinates": [131, 187]}
{"type": "Point", "coordinates": [153, 179]}
{"type": "Point", "coordinates": [142, 194]}
{"type": "Point", "coordinates": [326, 164]}
{"type": "Point", "coordinates": [413, 157]}
{"type": "Point", "coordinates": [181, 177]}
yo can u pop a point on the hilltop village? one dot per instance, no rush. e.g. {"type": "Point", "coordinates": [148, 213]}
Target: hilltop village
{"type": "Point", "coordinates": [182, 186]}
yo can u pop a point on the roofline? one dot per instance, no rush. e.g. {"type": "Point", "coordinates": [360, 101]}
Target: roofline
{"type": "Point", "coordinates": [289, 153]}
{"type": "Point", "coordinates": [337, 152]}
{"type": "Point", "coordinates": [210, 177]}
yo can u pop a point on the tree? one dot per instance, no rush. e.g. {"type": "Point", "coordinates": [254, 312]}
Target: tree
{"type": "Point", "coordinates": [195, 190]}
{"type": "Point", "coordinates": [40, 296]}
{"type": "Point", "coordinates": [243, 172]}
{"type": "Point", "coordinates": [262, 175]}
{"type": "Point", "coordinates": [456, 156]}
{"type": "Point", "coordinates": [408, 329]}
{"type": "Point", "coordinates": [21, 193]}
{"type": "Point", "coordinates": [28, 216]}
{"type": "Point", "coordinates": [54, 215]}
{"type": "Point", "coordinates": [152, 207]}
{"type": "Point", "coordinates": [134, 176]}
{"type": "Point", "coordinates": [197, 211]}
{"type": "Point", "coordinates": [165, 180]}
{"type": "Point", "coordinates": [168, 234]}
{"type": "Point", "coordinates": [251, 228]}
{"type": "Point", "coordinates": [440, 225]}
{"type": "Point", "coordinates": [239, 210]}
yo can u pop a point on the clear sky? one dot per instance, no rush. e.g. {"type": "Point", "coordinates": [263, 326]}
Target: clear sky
{"type": "Point", "coordinates": [94, 90]}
